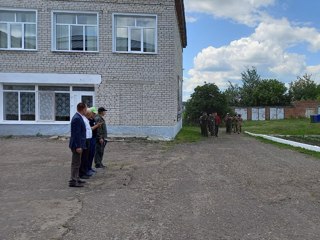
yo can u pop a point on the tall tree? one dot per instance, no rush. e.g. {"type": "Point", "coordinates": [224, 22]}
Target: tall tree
{"type": "Point", "coordinates": [270, 92]}
{"type": "Point", "coordinates": [206, 98]}
{"type": "Point", "coordinates": [233, 94]}
{"type": "Point", "coordinates": [250, 81]}
{"type": "Point", "coordinates": [303, 88]}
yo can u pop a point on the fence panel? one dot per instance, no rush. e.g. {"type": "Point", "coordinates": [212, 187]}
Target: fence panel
{"type": "Point", "coordinates": [243, 112]}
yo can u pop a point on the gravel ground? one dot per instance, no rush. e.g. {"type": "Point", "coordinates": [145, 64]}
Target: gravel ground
{"type": "Point", "coordinates": [231, 187]}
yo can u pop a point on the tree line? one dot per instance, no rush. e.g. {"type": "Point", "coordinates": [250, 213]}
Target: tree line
{"type": "Point", "coordinates": [254, 91]}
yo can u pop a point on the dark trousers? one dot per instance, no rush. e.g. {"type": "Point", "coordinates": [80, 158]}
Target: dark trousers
{"type": "Point", "coordinates": [216, 130]}
{"type": "Point", "coordinates": [75, 165]}
{"type": "Point", "coordinates": [92, 152]}
{"type": "Point", "coordinates": [98, 157]}
{"type": "Point", "coordinates": [84, 159]}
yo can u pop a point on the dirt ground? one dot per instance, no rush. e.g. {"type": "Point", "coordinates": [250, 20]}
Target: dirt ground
{"type": "Point", "coordinates": [231, 187]}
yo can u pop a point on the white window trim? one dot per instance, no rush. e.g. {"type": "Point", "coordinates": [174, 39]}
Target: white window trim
{"type": "Point", "coordinates": [129, 33]}
{"type": "Point", "coordinates": [19, 106]}
{"type": "Point", "coordinates": [21, 49]}
{"type": "Point", "coordinates": [37, 120]}
{"type": "Point", "coordinates": [47, 79]}
{"type": "Point", "coordinates": [53, 43]}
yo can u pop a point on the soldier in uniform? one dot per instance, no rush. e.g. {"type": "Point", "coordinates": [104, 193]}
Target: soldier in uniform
{"type": "Point", "coordinates": [211, 124]}
{"type": "Point", "coordinates": [240, 120]}
{"type": "Point", "coordinates": [217, 122]}
{"type": "Point", "coordinates": [228, 121]}
{"type": "Point", "coordinates": [235, 123]}
{"type": "Point", "coordinates": [204, 124]}
{"type": "Point", "coordinates": [101, 140]}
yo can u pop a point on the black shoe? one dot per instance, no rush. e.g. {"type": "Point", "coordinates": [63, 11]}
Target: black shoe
{"type": "Point", "coordinates": [84, 176]}
{"type": "Point", "coordinates": [103, 166]}
{"type": "Point", "coordinates": [81, 182]}
{"type": "Point", "coordinates": [75, 184]}
{"type": "Point", "coordinates": [100, 166]}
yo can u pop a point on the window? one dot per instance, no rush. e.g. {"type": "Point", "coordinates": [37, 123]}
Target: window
{"type": "Point", "coordinates": [19, 103]}
{"type": "Point", "coordinates": [54, 103]}
{"type": "Point", "coordinates": [136, 34]}
{"type": "Point", "coordinates": [18, 30]}
{"type": "Point", "coordinates": [75, 32]}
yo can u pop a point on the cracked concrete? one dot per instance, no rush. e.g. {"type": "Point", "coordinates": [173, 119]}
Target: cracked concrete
{"type": "Point", "coordinates": [233, 187]}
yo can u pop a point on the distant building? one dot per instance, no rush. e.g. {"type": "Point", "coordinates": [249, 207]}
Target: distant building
{"type": "Point", "coordinates": [124, 55]}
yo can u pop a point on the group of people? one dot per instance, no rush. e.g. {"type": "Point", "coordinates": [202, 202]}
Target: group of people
{"type": "Point", "coordinates": [233, 123]}
{"type": "Point", "coordinates": [87, 143]}
{"type": "Point", "coordinates": [209, 124]}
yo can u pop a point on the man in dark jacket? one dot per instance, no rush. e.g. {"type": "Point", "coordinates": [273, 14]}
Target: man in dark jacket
{"type": "Point", "coordinates": [77, 144]}
{"type": "Point", "coordinates": [101, 139]}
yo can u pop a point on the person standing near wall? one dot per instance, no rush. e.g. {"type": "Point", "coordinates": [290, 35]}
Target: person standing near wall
{"type": "Point", "coordinates": [101, 137]}
{"type": "Point", "coordinates": [77, 143]}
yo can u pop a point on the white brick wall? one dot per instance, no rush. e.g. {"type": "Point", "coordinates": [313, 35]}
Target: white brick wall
{"type": "Point", "coordinates": [137, 89]}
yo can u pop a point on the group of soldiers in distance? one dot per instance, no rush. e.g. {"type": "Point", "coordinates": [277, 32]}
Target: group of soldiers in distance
{"type": "Point", "coordinates": [209, 124]}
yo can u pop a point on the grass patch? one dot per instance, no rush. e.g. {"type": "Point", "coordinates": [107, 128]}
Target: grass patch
{"type": "Point", "coordinates": [285, 146]}
{"type": "Point", "coordinates": [307, 139]}
{"type": "Point", "coordinates": [283, 127]}
{"type": "Point", "coordinates": [188, 134]}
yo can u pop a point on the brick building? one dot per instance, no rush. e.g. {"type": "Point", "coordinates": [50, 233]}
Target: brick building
{"type": "Point", "coordinates": [298, 109]}
{"type": "Point", "coordinates": [125, 55]}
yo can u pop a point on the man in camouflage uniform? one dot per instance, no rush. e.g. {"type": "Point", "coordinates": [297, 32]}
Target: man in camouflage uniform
{"type": "Point", "coordinates": [204, 124]}
{"type": "Point", "coordinates": [101, 139]}
{"type": "Point", "coordinates": [211, 124]}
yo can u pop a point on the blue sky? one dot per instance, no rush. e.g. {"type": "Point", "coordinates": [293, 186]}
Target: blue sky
{"type": "Point", "coordinates": [281, 38]}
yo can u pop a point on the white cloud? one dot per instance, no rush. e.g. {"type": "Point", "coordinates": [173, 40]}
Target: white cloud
{"type": "Point", "coordinates": [315, 71]}
{"type": "Point", "coordinates": [190, 19]}
{"type": "Point", "coordinates": [266, 49]}
{"type": "Point", "coordinates": [284, 34]}
{"type": "Point", "coordinates": [245, 11]}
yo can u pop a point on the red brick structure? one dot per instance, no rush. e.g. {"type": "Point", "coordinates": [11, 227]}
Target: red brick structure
{"type": "Point", "coordinates": [298, 109]}
{"type": "Point", "coordinates": [303, 108]}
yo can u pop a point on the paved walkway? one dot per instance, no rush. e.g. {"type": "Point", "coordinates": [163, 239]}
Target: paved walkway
{"type": "Point", "coordinates": [233, 187]}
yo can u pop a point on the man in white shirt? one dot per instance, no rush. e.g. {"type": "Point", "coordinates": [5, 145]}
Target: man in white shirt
{"type": "Point", "coordinates": [85, 154]}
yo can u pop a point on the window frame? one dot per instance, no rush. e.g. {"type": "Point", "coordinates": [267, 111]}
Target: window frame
{"type": "Point", "coordinates": [15, 10]}
{"type": "Point", "coordinates": [53, 107]}
{"type": "Point", "coordinates": [19, 102]}
{"type": "Point", "coordinates": [53, 30]}
{"type": "Point", "coordinates": [114, 35]}
{"type": "Point", "coordinates": [37, 105]}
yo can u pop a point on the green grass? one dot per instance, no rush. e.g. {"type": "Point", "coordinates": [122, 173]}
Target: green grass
{"type": "Point", "coordinates": [285, 146]}
{"type": "Point", "coordinates": [283, 127]}
{"type": "Point", "coordinates": [188, 134]}
{"type": "Point", "coordinates": [297, 128]}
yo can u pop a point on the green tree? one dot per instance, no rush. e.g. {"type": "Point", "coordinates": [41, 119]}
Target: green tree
{"type": "Point", "coordinates": [233, 94]}
{"type": "Point", "coordinates": [270, 92]}
{"type": "Point", "coordinates": [250, 81]}
{"type": "Point", "coordinates": [303, 88]}
{"type": "Point", "coordinates": [206, 98]}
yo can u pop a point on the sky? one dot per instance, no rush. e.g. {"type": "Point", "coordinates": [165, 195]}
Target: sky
{"type": "Point", "coordinates": [280, 38]}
